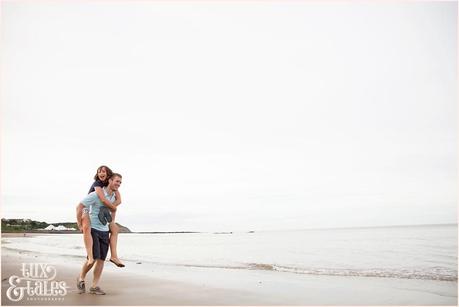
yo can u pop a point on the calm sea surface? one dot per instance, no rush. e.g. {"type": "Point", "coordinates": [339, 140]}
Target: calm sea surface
{"type": "Point", "coordinates": [409, 252]}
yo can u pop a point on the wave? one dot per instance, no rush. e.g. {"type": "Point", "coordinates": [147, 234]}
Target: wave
{"type": "Point", "coordinates": [436, 273]}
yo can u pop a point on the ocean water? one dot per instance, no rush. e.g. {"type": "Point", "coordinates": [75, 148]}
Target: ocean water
{"type": "Point", "coordinates": [403, 252]}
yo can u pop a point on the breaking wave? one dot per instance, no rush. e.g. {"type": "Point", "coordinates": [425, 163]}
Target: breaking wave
{"type": "Point", "coordinates": [434, 273]}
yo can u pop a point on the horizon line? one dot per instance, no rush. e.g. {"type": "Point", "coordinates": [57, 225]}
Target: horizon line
{"type": "Point", "coordinates": [296, 229]}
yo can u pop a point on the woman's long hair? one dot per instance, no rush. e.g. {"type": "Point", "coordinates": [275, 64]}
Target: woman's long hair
{"type": "Point", "coordinates": [107, 169]}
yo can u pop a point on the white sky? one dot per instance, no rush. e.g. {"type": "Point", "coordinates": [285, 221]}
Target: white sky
{"type": "Point", "coordinates": [232, 116]}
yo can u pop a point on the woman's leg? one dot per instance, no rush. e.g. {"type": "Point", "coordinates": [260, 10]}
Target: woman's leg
{"type": "Point", "coordinates": [114, 240]}
{"type": "Point", "coordinates": [86, 223]}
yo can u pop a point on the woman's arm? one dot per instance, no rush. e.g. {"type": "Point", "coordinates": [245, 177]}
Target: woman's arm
{"type": "Point", "coordinates": [117, 201]}
{"type": "Point", "coordinates": [79, 213]}
{"type": "Point", "coordinates": [104, 201]}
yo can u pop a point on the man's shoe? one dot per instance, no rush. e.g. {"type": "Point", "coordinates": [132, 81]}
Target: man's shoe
{"type": "Point", "coordinates": [81, 286]}
{"type": "Point", "coordinates": [96, 290]}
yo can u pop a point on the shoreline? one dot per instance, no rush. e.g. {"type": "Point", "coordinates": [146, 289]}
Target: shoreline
{"type": "Point", "coordinates": [122, 287]}
{"type": "Point", "coordinates": [147, 284]}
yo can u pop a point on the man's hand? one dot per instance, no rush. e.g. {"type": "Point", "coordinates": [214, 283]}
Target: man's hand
{"type": "Point", "coordinates": [80, 227]}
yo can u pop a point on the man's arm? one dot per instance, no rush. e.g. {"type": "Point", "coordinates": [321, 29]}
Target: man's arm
{"type": "Point", "coordinates": [117, 201]}
{"type": "Point", "coordinates": [104, 201]}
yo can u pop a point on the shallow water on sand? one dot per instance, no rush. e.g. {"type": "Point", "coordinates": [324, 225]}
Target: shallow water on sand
{"type": "Point", "coordinates": [408, 252]}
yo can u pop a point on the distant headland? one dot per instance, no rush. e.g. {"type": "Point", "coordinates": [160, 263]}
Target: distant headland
{"type": "Point", "coordinates": [28, 225]}
{"type": "Point", "coordinates": [31, 226]}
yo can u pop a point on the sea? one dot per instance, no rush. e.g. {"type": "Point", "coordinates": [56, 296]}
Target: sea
{"type": "Point", "coordinates": [426, 252]}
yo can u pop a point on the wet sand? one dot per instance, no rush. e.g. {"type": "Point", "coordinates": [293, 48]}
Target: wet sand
{"type": "Point", "coordinates": [122, 287]}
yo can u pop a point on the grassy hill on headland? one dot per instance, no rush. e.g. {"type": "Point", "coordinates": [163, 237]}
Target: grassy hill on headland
{"type": "Point", "coordinates": [27, 225]}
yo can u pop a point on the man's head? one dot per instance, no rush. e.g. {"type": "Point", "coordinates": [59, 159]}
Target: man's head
{"type": "Point", "coordinates": [114, 182]}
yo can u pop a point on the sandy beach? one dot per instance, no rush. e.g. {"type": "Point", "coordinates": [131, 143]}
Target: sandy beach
{"type": "Point", "coordinates": [146, 284]}
{"type": "Point", "coordinates": [122, 287]}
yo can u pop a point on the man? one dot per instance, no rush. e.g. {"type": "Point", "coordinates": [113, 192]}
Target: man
{"type": "Point", "coordinates": [99, 233]}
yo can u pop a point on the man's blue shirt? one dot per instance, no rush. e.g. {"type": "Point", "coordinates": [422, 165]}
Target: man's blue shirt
{"type": "Point", "coordinates": [93, 202]}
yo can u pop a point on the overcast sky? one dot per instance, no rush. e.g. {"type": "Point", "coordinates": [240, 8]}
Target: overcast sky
{"type": "Point", "coordinates": [232, 116]}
